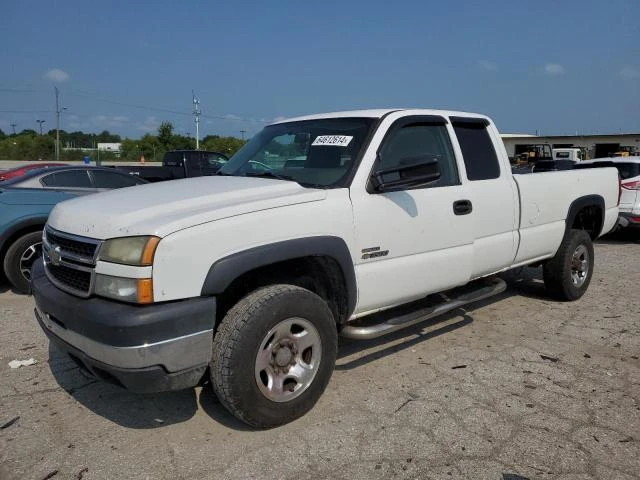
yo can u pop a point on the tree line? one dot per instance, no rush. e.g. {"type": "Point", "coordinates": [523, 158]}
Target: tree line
{"type": "Point", "coordinates": [29, 145]}
{"type": "Point", "coordinates": [152, 147]}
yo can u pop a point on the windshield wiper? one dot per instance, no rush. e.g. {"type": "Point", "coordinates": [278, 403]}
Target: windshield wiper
{"type": "Point", "coordinates": [272, 175]}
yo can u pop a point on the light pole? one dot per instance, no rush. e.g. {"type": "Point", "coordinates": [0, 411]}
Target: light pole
{"type": "Point", "coordinates": [40, 122]}
{"type": "Point", "coordinates": [58, 110]}
{"type": "Point", "coordinates": [242, 132]}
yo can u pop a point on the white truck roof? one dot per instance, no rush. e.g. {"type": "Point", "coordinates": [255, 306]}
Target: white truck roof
{"type": "Point", "coordinates": [380, 112]}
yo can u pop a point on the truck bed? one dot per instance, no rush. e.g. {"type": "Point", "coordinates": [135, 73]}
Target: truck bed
{"type": "Point", "coordinates": [543, 206]}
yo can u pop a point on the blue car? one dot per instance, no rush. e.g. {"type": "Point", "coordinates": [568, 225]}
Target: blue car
{"type": "Point", "coordinates": [23, 213]}
{"type": "Point", "coordinates": [25, 204]}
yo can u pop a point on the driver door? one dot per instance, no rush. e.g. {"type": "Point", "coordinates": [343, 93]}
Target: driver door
{"type": "Point", "coordinates": [416, 240]}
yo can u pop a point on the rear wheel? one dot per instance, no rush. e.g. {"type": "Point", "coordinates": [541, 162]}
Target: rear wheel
{"type": "Point", "coordinates": [19, 260]}
{"type": "Point", "coordinates": [273, 355]}
{"type": "Point", "coordinates": [568, 274]}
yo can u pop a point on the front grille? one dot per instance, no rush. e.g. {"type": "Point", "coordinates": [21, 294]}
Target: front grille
{"type": "Point", "coordinates": [73, 246]}
{"type": "Point", "coordinates": [78, 280]}
{"type": "Point", "coordinates": [69, 261]}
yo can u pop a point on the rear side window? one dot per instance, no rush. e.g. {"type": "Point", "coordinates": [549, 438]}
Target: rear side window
{"type": "Point", "coordinates": [113, 180]}
{"type": "Point", "coordinates": [480, 158]}
{"type": "Point", "coordinates": [628, 170]}
{"type": "Point", "coordinates": [75, 179]}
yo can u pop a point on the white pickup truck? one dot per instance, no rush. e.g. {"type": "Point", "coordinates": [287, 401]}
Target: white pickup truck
{"type": "Point", "coordinates": [348, 223]}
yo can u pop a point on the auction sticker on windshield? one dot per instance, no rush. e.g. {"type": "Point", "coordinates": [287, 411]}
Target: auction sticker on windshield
{"type": "Point", "coordinates": [332, 140]}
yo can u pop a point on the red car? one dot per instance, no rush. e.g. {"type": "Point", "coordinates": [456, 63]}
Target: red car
{"type": "Point", "coordinates": [18, 171]}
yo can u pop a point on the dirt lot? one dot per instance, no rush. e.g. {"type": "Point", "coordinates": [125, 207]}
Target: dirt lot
{"type": "Point", "coordinates": [518, 387]}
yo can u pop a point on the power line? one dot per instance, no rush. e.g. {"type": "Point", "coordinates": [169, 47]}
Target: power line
{"type": "Point", "coordinates": [91, 96]}
{"type": "Point", "coordinates": [26, 111]}
{"type": "Point", "coordinates": [227, 117]}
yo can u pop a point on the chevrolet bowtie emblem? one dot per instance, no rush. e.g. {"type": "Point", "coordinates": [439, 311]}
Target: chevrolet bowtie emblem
{"type": "Point", "coordinates": [55, 256]}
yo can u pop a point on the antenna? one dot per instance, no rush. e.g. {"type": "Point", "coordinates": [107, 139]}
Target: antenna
{"type": "Point", "coordinates": [196, 113]}
{"type": "Point", "coordinates": [13, 126]}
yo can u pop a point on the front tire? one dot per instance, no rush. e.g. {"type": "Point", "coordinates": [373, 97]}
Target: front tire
{"type": "Point", "coordinates": [273, 355]}
{"type": "Point", "coordinates": [19, 260]}
{"type": "Point", "coordinates": [568, 274]}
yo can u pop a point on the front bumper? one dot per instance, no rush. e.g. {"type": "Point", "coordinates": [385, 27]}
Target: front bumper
{"type": "Point", "coordinates": [148, 348]}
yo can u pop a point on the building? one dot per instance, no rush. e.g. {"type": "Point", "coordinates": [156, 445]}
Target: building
{"type": "Point", "coordinates": [595, 146]}
{"type": "Point", "coordinates": [110, 147]}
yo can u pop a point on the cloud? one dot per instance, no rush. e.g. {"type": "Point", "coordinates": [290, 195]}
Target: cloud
{"type": "Point", "coordinates": [487, 65]}
{"type": "Point", "coordinates": [232, 117]}
{"type": "Point", "coordinates": [150, 124]}
{"type": "Point", "coordinates": [76, 125]}
{"type": "Point", "coordinates": [109, 120]}
{"type": "Point", "coordinates": [554, 69]}
{"type": "Point", "coordinates": [57, 75]}
{"type": "Point", "coordinates": [629, 73]}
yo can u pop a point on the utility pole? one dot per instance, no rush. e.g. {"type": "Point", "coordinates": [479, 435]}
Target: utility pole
{"type": "Point", "coordinates": [55, 89]}
{"type": "Point", "coordinates": [196, 113]}
{"type": "Point", "coordinates": [40, 122]}
{"type": "Point", "coordinates": [13, 126]}
{"type": "Point", "coordinates": [242, 132]}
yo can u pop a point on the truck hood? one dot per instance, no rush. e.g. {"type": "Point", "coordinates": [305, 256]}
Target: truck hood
{"type": "Point", "coordinates": [166, 207]}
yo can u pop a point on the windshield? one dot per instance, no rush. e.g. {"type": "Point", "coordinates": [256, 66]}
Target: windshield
{"type": "Point", "coordinates": [316, 153]}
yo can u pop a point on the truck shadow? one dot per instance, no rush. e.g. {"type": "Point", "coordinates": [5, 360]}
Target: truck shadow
{"type": "Point", "coordinates": [620, 237]}
{"type": "Point", "coordinates": [527, 282]}
{"type": "Point", "coordinates": [150, 411]}
{"type": "Point", "coordinates": [348, 347]}
{"type": "Point", "coordinates": [131, 410]}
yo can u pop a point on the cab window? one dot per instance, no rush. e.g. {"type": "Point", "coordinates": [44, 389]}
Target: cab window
{"type": "Point", "coordinates": [422, 141]}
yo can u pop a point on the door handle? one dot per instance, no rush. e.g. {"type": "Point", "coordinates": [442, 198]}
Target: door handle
{"type": "Point", "coordinates": [462, 207]}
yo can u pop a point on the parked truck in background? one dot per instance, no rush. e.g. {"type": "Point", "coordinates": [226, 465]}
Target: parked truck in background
{"type": "Point", "coordinates": [180, 164]}
{"type": "Point", "coordinates": [249, 276]}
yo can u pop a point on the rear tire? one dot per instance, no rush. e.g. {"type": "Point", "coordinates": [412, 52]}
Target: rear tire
{"type": "Point", "coordinates": [19, 260]}
{"type": "Point", "coordinates": [273, 355]}
{"type": "Point", "coordinates": [568, 274]}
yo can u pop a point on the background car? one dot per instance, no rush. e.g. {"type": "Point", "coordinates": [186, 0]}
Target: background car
{"type": "Point", "coordinates": [629, 170]}
{"type": "Point", "coordinates": [77, 178]}
{"type": "Point", "coordinates": [24, 211]}
{"type": "Point", "coordinates": [18, 171]}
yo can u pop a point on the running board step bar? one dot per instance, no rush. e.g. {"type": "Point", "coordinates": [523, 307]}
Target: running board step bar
{"type": "Point", "coordinates": [383, 323]}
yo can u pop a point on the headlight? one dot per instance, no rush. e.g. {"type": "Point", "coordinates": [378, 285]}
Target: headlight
{"type": "Point", "coordinates": [136, 290]}
{"type": "Point", "coordinates": [136, 251]}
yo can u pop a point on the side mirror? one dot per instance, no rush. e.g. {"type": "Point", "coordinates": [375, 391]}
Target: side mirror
{"type": "Point", "coordinates": [411, 172]}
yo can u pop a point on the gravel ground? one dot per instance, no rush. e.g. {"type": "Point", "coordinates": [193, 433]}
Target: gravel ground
{"type": "Point", "coordinates": [512, 388]}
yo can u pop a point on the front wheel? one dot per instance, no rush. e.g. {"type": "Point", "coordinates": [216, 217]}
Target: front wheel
{"type": "Point", "coordinates": [19, 260]}
{"type": "Point", "coordinates": [568, 274]}
{"type": "Point", "coordinates": [273, 355]}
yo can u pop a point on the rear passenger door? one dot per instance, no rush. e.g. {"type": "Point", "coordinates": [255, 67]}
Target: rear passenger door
{"type": "Point", "coordinates": [495, 198]}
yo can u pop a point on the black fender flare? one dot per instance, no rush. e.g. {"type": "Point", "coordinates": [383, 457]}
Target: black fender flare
{"type": "Point", "coordinates": [227, 269]}
{"type": "Point", "coordinates": [583, 202]}
{"type": "Point", "coordinates": [21, 225]}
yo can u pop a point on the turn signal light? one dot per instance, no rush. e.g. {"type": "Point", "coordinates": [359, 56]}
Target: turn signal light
{"type": "Point", "coordinates": [145, 290]}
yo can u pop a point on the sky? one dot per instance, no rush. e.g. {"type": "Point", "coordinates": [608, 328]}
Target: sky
{"type": "Point", "coordinates": [125, 66]}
